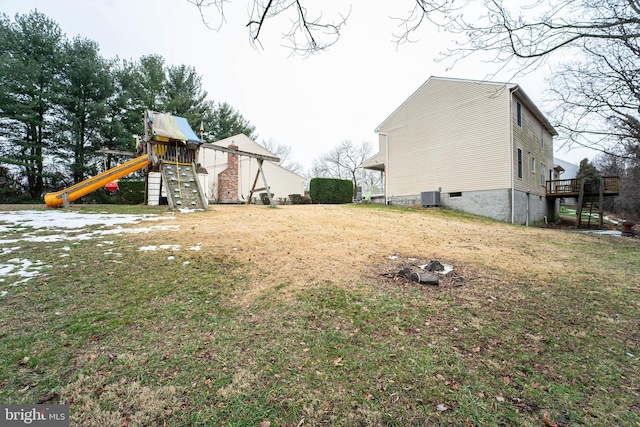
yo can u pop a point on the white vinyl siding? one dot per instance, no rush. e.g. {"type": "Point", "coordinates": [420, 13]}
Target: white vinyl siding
{"type": "Point", "coordinates": [450, 135]}
{"type": "Point", "coordinates": [528, 137]}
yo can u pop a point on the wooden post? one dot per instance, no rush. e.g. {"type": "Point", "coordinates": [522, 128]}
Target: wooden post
{"type": "Point", "coordinates": [253, 187]}
{"type": "Point", "coordinates": [264, 180]}
{"type": "Point", "coordinates": [580, 202]}
{"type": "Point", "coordinates": [65, 200]}
{"type": "Point", "coordinates": [601, 203]}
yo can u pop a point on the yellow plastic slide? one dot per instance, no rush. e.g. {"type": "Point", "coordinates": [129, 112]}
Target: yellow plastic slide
{"type": "Point", "coordinates": [92, 184]}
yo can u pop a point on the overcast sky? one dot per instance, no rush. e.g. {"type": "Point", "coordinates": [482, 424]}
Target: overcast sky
{"type": "Point", "coordinates": [309, 104]}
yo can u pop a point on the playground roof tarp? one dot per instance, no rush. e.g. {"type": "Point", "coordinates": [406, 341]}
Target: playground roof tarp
{"type": "Point", "coordinates": [173, 127]}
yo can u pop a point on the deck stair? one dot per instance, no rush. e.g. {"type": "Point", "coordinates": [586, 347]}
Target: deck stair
{"type": "Point", "coordinates": [592, 204]}
{"type": "Point", "coordinates": [182, 186]}
{"type": "Point", "coordinates": [590, 194]}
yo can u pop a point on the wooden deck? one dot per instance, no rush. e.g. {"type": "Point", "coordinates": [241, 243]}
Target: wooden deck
{"type": "Point", "coordinates": [571, 187]}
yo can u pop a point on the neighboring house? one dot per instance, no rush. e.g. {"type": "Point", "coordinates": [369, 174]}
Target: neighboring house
{"type": "Point", "coordinates": [568, 170]}
{"type": "Point", "coordinates": [484, 146]}
{"type": "Point", "coordinates": [227, 178]}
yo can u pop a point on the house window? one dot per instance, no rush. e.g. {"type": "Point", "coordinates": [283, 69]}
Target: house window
{"type": "Point", "coordinates": [519, 114]}
{"type": "Point", "coordinates": [533, 165]}
{"type": "Point", "coordinates": [455, 194]}
{"type": "Point", "coordinates": [542, 137]}
{"type": "Point", "coordinates": [543, 167]}
{"type": "Point", "coordinates": [520, 163]}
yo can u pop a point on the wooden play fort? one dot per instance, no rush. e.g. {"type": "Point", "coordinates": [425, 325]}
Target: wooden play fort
{"type": "Point", "coordinates": [167, 156]}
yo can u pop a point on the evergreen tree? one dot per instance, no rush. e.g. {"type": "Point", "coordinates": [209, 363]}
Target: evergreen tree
{"type": "Point", "coordinates": [184, 96]}
{"type": "Point", "coordinates": [86, 88]}
{"type": "Point", "coordinates": [587, 171]}
{"type": "Point", "coordinates": [227, 122]}
{"type": "Point", "coordinates": [30, 66]}
{"type": "Point", "coordinates": [149, 85]}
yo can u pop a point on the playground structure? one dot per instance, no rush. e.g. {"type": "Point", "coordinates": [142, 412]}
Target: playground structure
{"type": "Point", "coordinates": [166, 155]}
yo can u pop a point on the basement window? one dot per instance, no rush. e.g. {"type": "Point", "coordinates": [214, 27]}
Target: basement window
{"type": "Point", "coordinates": [455, 194]}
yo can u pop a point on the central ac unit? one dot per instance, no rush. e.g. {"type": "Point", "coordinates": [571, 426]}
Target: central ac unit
{"type": "Point", "coordinates": [430, 198]}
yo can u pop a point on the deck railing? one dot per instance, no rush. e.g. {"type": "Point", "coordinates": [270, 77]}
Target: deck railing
{"type": "Point", "coordinates": [170, 152]}
{"type": "Point", "coordinates": [571, 187]}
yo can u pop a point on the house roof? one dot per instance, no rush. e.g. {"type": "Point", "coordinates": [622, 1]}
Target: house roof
{"type": "Point", "coordinates": [248, 145]}
{"type": "Point", "coordinates": [376, 162]}
{"type": "Point", "coordinates": [512, 87]}
{"type": "Point", "coordinates": [244, 143]}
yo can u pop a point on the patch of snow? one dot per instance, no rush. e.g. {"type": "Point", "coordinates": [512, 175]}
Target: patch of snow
{"type": "Point", "coordinates": [171, 247]}
{"type": "Point", "coordinates": [52, 226]}
{"type": "Point", "coordinates": [66, 236]}
{"type": "Point", "coordinates": [602, 232]}
{"type": "Point", "coordinates": [65, 219]}
{"type": "Point", "coordinates": [21, 269]}
{"type": "Point", "coordinates": [188, 210]}
{"type": "Point", "coordinates": [155, 248]}
{"type": "Point", "coordinates": [6, 251]}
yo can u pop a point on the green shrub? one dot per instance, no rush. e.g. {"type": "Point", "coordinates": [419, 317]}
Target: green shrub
{"type": "Point", "coordinates": [330, 190]}
{"type": "Point", "coordinates": [296, 199]}
{"type": "Point", "coordinates": [130, 192]}
{"type": "Point", "coordinates": [100, 197]}
{"type": "Point", "coordinates": [265, 199]}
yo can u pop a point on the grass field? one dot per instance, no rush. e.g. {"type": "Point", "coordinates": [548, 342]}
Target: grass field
{"type": "Point", "coordinates": [286, 320]}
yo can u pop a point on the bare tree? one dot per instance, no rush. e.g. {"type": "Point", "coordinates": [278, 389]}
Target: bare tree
{"type": "Point", "coordinates": [528, 31]}
{"type": "Point", "coordinates": [345, 162]}
{"type": "Point", "coordinates": [309, 31]}
{"type": "Point", "coordinates": [599, 91]}
{"type": "Point", "coordinates": [627, 203]}
{"type": "Point", "coordinates": [285, 153]}
{"type": "Point", "coordinates": [598, 100]}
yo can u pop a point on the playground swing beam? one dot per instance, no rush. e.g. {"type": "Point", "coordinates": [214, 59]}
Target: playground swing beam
{"type": "Point", "coordinates": [260, 158]}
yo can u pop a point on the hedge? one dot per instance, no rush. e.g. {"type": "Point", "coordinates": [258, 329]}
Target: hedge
{"type": "Point", "coordinates": [331, 191]}
{"type": "Point", "coordinates": [130, 192]}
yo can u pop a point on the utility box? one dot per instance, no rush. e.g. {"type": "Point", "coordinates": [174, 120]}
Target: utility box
{"type": "Point", "coordinates": [430, 198]}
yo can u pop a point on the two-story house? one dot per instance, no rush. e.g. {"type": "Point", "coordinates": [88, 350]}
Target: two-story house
{"type": "Point", "coordinates": [484, 146]}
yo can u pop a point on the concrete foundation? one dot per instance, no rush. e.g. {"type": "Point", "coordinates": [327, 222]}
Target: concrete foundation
{"type": "Point", "coordinates": [529, 209]}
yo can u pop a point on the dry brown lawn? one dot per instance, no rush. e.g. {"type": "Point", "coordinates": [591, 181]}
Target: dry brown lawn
{"type": "Point", "coordinates": [294, 246]}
